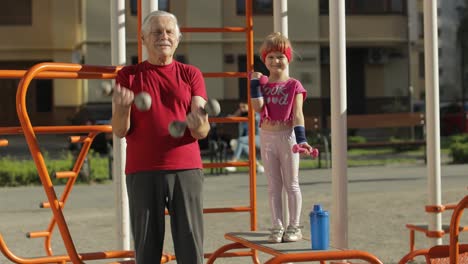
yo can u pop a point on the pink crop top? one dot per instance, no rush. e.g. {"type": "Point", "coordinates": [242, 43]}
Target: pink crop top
{"type": "Point", "coordinates": [279, 99]}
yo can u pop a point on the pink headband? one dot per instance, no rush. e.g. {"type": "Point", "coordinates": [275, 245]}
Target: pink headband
{"type": "Point", "coordinates": [287, 52]}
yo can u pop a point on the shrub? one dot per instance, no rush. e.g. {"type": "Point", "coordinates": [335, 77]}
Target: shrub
{"type": "Point", "coordinates": [357, 139]}
{"type": "Point", "coordinates": [459, 148]}
{"type": "Point", "coordinates": [15, 172]}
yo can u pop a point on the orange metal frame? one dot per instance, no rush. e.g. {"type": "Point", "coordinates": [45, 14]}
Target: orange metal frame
{"type": "Point", "coordinates": [454, 251]}
{"type": "Point", "coordinates": [423, 228]}
{"type": "Point", "coordinates": [56, 204]}
{"type": "Point", "coordinates": [294, 255]}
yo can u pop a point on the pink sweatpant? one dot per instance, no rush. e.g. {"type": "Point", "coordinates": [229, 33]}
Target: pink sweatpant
{"type": "Point", "coordinates": [282, 171]}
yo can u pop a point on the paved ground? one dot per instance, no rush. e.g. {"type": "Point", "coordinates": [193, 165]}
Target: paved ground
{"type": "Point", "coordinates": [381, 200]}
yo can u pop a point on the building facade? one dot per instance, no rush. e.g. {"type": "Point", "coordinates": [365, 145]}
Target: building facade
{"type": "Point", "coordinates": [384, 50]}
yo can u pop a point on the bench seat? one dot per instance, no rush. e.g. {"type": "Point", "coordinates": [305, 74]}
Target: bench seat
{"type": "Point", "coordinates": [299, 251]}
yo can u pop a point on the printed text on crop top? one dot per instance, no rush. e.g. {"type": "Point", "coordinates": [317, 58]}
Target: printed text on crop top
{"type": "Point", "coordinates": [279, 98]}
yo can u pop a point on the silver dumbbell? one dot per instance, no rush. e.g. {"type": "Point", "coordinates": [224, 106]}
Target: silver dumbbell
{"type": "Point", "coordinates": [177, 128]}
{"type": "Point", "coordinates": [142, 100]}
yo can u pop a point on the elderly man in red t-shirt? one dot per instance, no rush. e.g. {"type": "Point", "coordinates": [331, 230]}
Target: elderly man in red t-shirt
{"type": "Point", "coordinates": [163, 171]}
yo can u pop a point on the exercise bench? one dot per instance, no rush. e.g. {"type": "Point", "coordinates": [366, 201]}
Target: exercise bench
{"type": "Point", "coordinates": [299, 251]}
{"type": "Point", "coordinates": [424, 228]}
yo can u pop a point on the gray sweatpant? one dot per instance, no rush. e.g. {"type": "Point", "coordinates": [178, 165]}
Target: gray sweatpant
{"type": "Point", "coordinates": [149, 193]}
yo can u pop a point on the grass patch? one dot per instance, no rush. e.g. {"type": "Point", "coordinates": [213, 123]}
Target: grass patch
{"type": "Point", "coordinates": [16, 172]}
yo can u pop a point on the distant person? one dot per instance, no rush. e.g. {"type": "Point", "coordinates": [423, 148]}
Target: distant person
{"type": "Point", "coordinates": [163, 171]}
{"type": "Point", "coordinates": [241, 144]}
{"type": "Point", "coordinates": [282, 126]}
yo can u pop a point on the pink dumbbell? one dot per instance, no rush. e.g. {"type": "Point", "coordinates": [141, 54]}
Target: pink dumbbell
{"type": "Point", "coordinates": [298, 149]}
{"type": "Point", "coordinates": [263, 80]}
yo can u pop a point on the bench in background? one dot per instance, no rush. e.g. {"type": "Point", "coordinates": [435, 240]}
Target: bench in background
{"type": "Point", "coordinates": [388, 120]}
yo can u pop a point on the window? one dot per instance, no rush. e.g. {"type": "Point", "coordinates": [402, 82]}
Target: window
{"type": "Point", "coordinates": [421, 25]}
{"type": "Point", "coordinates": [369, 7]}
{"type": "Point", "coordinates": [162, 5]}
{"type": "Point", "coordinates": [44, 95]}
{"type": "Point", "coordinates": [259, 7]}
{"type": "Point", "coordinates": [16, 12]}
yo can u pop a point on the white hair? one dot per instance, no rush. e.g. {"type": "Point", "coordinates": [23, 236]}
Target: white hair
{"type": "Point", "coordinates": [145, 27]}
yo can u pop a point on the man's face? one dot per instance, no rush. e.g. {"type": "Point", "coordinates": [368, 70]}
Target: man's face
{"type": "Point", "coordinates": [162, 39]}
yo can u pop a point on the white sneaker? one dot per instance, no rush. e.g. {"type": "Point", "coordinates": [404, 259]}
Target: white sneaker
{"type": "Point", "coordinates": [292, 234]}
{"type": "Point", "coordinates": [231, 169]}
{"type": "Point", "coordinates": [260, 168]}
{"type": "Point", "coordinates": [276, 235]}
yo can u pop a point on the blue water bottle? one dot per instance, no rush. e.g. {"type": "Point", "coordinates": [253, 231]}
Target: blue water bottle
{"type": "Point", "coordinates": [319, 228]}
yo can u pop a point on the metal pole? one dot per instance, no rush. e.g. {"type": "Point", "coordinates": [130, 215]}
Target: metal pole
{"type": "Point", "coordinates": [119, 145]}
{"type": "Point", "coordinates": [147, 6]}
{"type": "Point", "coordinates": [431, 57]}
{"type": "Point", "coordinates": [280, 24]}
{"type": "Point", "coordinates": [339, 216]}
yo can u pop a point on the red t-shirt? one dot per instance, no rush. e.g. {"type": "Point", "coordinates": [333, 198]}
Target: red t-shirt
{"type": "Point", "coordinates": [149, 144]}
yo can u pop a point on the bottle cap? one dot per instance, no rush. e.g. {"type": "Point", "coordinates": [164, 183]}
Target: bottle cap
{"type": "Point", "coordinates": [317, 208]}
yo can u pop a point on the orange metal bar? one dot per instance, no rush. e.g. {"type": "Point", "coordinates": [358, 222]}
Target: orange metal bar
{"type": "Point", "coordinates": [439, 208]}
{"type": "Point", "coordinates": [57, 129]}
{"type": "Point", "coordinates": [3, 142]}
{"type": "Point", "coordinates": [213, 30]}
{"type": "Point", "coordinates": [227, 210]}
{"type": "Point", "coordinates": [455, 230]}
{"type": "Point", "coordinates": [47, 204]}
{"type": "Point", "coordinates": [231, 119]}
{"type": "Point", "coordinates": [62, 258]}
{"type": "Point", "coordinates": [225, 74]}
{"type": "Point", "coordinates": [28, 130]}
{"type": "Point", "coordinates": [65, 174]}
{"type": "Point", "coordinates": [38, 234]}
{"type": "Point", "coordinates": [14, 74]}
{"type": "Point", "coordinates": [252, 151]}
{"type": "Point", "coordinates": [325, 255]}
{"type": "Point", "coordinates": [226, 164]}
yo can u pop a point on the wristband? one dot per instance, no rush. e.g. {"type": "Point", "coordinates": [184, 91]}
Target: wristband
{"type": "Point", "coordinates": [299, 132]}
{"type": "Point", "coordinates": [255, 91]}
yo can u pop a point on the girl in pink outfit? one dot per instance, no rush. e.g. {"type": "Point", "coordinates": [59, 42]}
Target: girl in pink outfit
{"type": "Point", "coordinates": [279, 101]}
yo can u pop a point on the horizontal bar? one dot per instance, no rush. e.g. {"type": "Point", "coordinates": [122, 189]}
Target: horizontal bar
{"type": "Point", "coordinates": [65, 174]}
{"type": "Point", "coordinates": [58, 129]}
{"type": "Point", "coordinates": [210, 165]}
{"type": "Point", "coordinates": [224, 74]}
{"type": "Point", "coordinates": [231, 119]}
{"type": "Point", "coordinates": [77, 139]}
{"type": "Point", "coordinates": [213, 29]}
{"type": "Point", "coordinates": [3, 142]}
{"type": "Point", "coordinates": [47, 205]}
{"type": "Point", "coordinates": [37, 234]}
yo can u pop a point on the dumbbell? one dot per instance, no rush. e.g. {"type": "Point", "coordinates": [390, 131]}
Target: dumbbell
{"type": "Point", "coordinates": [177, 128]}
{"type": "Point", "coordinates": [263, 80]}
{"type": "Point", "coordinates": [298, 149]}
{"type": "Point", "coordinates": [142, 100]}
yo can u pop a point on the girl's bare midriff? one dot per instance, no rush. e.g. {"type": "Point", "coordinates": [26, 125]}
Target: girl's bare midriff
{"type": "Point", "coordinates": [275, 126]}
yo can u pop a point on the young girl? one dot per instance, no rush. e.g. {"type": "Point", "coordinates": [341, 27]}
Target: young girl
{"type": "Point", "coordinates": [282, 126]}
